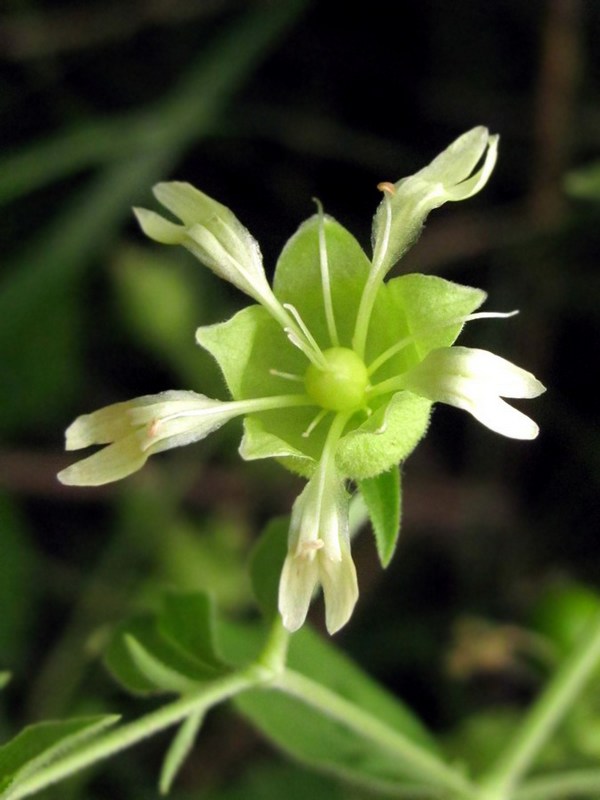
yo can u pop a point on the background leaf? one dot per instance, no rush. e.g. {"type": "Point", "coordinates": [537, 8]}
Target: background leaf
{"type": "Point", "coordinates": [266, 561]}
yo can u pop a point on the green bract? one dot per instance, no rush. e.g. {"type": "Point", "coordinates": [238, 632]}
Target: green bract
{"type": "Point", "coordinates": [334, 370]}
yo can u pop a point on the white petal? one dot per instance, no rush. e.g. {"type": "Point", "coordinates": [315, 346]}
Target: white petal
{"type": "Point", "coordinates": [340, 588]}
{"type": "Point", "coordinates": [100, 427]}
{"type": "Point", "coordinates": [475, 183]}
{"type": "Point", "coordinates": [296, 586]}
{"type": "Point", "coordinates": [188, 203]}
{"type": "Point", "coordinates": [498, 416]}
{"type": "Point", "coordinates": [496, 373]}
{"type": "Point", "coordinates": [109, 464]}
{"type": "Point", "coordinates": [458, 160]}
{"type": "Point", "coordinates": [158, 228]}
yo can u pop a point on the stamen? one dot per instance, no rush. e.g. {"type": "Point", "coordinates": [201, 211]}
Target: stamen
{"type": "Point", "coordinates": [325, 281]}
{"type": "Point", "coordinates": [307, 549]}
{"type": "Point", "coordinates": [375, 278]}
{"type": "Point", "coordinates": [396, 348]}
{"type": "Point", "coordinates": [321, 415]}
{"type": "Point", "coordinates": [288, 376]}
{"type": "Point", "coordinates": [309, 346]}
{"type": "Point", "coordinates": [389, 190]}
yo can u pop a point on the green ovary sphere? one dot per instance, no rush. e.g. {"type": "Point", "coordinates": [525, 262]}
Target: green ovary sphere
{"type": "Point", "coordinates": [340, 387]}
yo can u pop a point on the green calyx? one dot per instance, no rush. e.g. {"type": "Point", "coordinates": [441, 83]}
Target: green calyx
{"type": "Point", "coordinates": [342, 384]}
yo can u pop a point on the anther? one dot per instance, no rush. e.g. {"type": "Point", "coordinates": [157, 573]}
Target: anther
{"type": "Point", "coordinates": [386, 186]}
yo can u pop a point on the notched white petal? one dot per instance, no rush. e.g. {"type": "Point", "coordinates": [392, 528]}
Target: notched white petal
{"type": "Point", "coordinates": [138, 428]}
{"type": "Point", "coordinates": [158, 228]}
{"type": "Point", "coordinates": [475, 381]}
{"type": "Point", "coordinates": [297, 584]}
{"type": "Point", "coordinates": [449, 177]}
{"type": "Point", "coordinates": [340, 588]}
{"type": "Point", "coordinates": [112, 463]}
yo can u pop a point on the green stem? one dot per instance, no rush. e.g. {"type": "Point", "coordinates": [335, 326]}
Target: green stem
{"type": "Point", "coordinates": [544, 716]}
{"type": "Point", "coordinates": [134, 732]}
{"type": "Point", "coordinates": [274, 654]}
{"type": "Point", "coordinates": [571, 784]}
{"type": "Point", "coordinates": [424, 765]}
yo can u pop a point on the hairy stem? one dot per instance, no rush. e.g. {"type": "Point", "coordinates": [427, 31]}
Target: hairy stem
{"type": "Point", "coordinates": [546, 713]}
{"type": "Point", "coordinates": [134, 732]}
{"type": "Point", "coordinates": [424, 765]}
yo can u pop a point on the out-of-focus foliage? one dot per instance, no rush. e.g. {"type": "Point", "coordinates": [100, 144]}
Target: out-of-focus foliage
{"type": "Point", "coordinates": [264, 105]}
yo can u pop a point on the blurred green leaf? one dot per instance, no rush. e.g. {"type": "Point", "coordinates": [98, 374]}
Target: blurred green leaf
{"type": "Point", "coordinates": [156, 672]}
{"type": "Point", "coordinates": [584, 183]}
{"type": "Point", "coordinates": [383, 500]}
{"type": "Point", "coordinates": [187, 620]}
{"type": "Point", "coordinates": [162, 302]}
{"type": "Point", "coordinates": [265, 781]}
{"type": "Point", "coordinates": [4, 679]}
{"type": "Point", "coordinates": [266, 561]}
{"type": "Point", "coordinates": [168, 651]}
{"type": "Point", "coordinates": [317, 740]}
{"type": "Point", "coordinates": [46, 275]}
{"type": "Point", "coordinates": [38, 745]}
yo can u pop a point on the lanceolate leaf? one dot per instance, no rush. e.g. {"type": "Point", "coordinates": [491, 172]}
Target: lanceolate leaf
{"type": "Point", "coordinates": [382, 496]}
{"type": "Point", "coordinates": [38, 745]}
{"type": "Point", "coordinates": [167, 652]}
{"type": "Point", "coordinates": [179, 750]}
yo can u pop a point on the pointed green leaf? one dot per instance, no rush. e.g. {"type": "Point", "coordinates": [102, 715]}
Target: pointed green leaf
{"type": "Point", "coordinates": [179, 750]}
{"type": "Point", "coordinates": [38, 745]}
{"type": "Point", "coordinates": [383, 500]}
{"type": "Point", "coordinates": [298, 278]}
{"type": "Point", "coordinates": [266, 561]}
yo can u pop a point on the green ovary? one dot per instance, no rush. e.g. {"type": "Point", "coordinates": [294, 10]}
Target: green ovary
{"type": "Point", "coordinates": [342, 385]}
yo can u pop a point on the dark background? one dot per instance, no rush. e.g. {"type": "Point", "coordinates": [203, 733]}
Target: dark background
{"type": "Point", "coordinates": [265, 105]}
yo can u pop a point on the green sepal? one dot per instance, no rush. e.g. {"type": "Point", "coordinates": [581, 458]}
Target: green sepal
{"type": "Point", "coordinates": [258, 443]}
{"type": "Point", "coordinates": [167, 652]}
{"type": "Point", "coordinates": [418, 307]}
{"type": "Point", "coordinates": [37, 746]}
{"type": "Point", "coordinates": [386, 438]}
{"type": "Point", "coordinates": [266, 562]}
{"type": "Point", "coordinates": [382, 496]}
{"type": "Point", "coordinates": [247, 347]}
{"type": "Point", "coordinates": [298, 281]}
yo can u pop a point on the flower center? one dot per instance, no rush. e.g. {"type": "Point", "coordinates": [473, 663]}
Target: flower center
{"type": "Point", "coordinates": [341, 386]}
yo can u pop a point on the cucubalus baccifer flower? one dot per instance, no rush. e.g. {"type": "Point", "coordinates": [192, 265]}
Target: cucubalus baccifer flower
{"type": "Point", "coordinates": [334, 370]}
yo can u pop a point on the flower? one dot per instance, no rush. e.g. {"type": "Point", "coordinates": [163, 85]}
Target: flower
{"type": "Point", "coordinates": [367, 358]}
{"type": "Point", "coordinates": [319, 553]}
{"type": "Point", "coordinates": [137, 429]}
